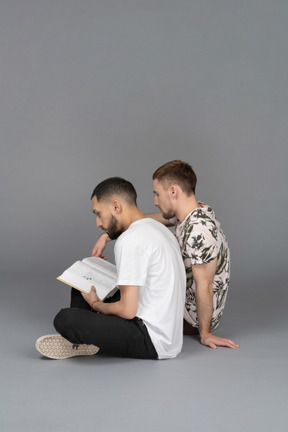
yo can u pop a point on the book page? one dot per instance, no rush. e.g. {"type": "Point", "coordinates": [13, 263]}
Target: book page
{"type": "Point", "coordinates": [82, 277]}
{"type": "Point", "coordinates": [101, 265]}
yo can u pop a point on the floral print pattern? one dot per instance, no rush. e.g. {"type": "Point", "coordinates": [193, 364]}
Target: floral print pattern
{"type": "Point", "coordinates": [201, 240]}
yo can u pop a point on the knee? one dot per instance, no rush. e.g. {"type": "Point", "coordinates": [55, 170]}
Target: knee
{"type": "Point", "coordinates": [64, 320]}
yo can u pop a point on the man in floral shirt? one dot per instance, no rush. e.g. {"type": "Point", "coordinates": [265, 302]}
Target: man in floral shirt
{"type": "Point", "coordinates": [204, 249]}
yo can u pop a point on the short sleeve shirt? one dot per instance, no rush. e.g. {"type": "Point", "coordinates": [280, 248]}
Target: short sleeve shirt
{"type": "Point", "coordinates": [147, 255]}
{"type": "Point", "coordinates": [202, 240]}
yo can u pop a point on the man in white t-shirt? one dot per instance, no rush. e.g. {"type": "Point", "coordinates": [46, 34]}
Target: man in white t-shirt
{"type": "Point", "coordinates": [145, 319]}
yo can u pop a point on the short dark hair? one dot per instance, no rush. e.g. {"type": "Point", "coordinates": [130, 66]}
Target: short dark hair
{"type": "Point", "coordinates": [115, 186]}
{"type": "Point", "coordinates": [178, 172]}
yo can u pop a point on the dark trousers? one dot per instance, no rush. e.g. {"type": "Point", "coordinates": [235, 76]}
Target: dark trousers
{"type": "Point", "coordinates": [113, 335]}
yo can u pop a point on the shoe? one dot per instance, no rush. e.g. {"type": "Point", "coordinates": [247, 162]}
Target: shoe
{"type": "Point", "coordinates": [57, 347]}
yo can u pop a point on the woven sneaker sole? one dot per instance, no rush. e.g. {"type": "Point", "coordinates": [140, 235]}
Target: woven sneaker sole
{"type": "Point", "coordinates": [57, 347]}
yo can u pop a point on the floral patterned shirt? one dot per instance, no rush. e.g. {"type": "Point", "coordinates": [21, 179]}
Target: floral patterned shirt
{"type": "Point", "coordinates": [202, 240]}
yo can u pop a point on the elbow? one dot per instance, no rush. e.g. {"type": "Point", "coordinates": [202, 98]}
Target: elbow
{"type": "Point", "coordinates": [204, 287]}
{"type": "Point", "coordinates": [129, 313]}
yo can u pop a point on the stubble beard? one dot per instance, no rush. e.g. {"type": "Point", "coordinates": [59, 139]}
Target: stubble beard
{"type": "Point", "coordinates": [168, 215]}
{"type": "Point", "coordinates": [113, 230]}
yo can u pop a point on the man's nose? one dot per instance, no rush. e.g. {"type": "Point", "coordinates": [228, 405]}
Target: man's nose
{"type": "Point", "coordinates": [156, 201]}
{"type": "Point", "coordinates": [98, 223]}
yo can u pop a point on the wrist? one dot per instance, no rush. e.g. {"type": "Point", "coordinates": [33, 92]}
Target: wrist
{"type": "Point", "coordinates": [204, 333]}
{"type": "Point", "coordinates": [92, 306]}
{"type": "Point", "coordinates": [106, 237]}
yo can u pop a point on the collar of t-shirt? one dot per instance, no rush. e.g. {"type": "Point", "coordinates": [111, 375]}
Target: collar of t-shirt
{"type": "Point", "coordinates": [204, 207]}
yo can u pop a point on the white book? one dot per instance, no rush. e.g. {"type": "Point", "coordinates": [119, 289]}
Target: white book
{"type": "Point", "coordinates": [92, 271]}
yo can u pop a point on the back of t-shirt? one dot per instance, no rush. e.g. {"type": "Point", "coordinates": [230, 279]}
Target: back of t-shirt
{"type": "Point", "coordinates": [148, 255]}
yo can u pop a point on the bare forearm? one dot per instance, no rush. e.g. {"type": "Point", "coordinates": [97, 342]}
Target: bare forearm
{"type": "Point", "coordinates": [116, 309]}
{"type": "Point", "coordinates": [204, 302]}
{"type": "Point", "coordinates": [100, 245]}
{"type": "Point", "coordinates": [204, 275]}
{"type": "Point", "coordinates": [125, 308]}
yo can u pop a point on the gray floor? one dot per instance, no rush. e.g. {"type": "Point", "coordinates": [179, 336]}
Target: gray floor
{"type": "Point", "coordinates": [201, 390]}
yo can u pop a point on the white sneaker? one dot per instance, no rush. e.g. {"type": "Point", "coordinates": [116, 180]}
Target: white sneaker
{"type": "Point", "coordinates": [57, 347]}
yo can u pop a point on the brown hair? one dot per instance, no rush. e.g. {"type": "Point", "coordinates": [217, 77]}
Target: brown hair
{"type": "Point", "coordinates": [178, 172]}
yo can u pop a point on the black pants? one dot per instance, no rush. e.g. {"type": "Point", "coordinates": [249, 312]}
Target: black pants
{"type": "Point", "coordinates": [113, 335]}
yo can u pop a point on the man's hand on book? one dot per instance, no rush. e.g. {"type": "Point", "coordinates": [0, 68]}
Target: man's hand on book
{"type": "Point", "coordinates": [100, 246]}
{"type": "Point", "coordinates": [91, 297]}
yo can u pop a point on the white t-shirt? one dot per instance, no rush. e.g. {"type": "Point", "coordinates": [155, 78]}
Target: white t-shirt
{"type": "Point", "coordinates": [147, 254]}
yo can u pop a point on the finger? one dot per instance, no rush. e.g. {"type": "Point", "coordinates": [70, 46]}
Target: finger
{"type": "Point", "coordinates": [96, 252]}
{"type": "Point", "coordinates": [234, 345]}
{"type": "Point", "coordinates": [229, 344]}
{"type": "Point", "coordinates": [210, 344]}
{"type": "Point", "coordinates": [94, 291]}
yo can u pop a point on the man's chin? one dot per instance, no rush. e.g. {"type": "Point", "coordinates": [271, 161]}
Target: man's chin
{"type": "Point", "coordinates": [168, 216]}
{"type": "Point", "coordinates": [114, 235]}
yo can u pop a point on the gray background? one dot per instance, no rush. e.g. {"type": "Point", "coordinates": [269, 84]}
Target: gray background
{"type": "Point", "coordinates": [92, 89]}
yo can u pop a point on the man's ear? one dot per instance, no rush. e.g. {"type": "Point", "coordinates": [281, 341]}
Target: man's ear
{"type": "Point", "coordinates": [174, 191]}
{"type": "Point", "coordinates": [116, 206]}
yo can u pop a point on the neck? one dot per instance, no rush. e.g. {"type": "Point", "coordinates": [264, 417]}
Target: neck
{"type": "Point", "coordinates": [186, 206]}
{"type": "Point", "coordinates": [133, 216]}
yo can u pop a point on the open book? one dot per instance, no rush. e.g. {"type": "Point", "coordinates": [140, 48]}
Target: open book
{"type": "Point", "coordinates": [92, 271]}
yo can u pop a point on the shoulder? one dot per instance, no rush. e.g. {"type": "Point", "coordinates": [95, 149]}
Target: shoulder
{"type": "Point", "coordinates": [201, 220]}
{"type": "Point", "coordinates": [199, 230]}
{"type": "Point", "coordinates": [144, 231]}
{"type": "Point", "coordinates": [202, 215]}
